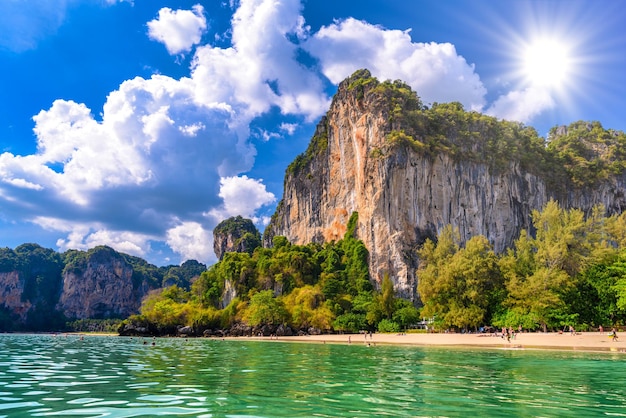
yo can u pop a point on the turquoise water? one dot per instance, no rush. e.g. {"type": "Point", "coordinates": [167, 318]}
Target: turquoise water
{"type": "Point", "coordinates": [44, 375]}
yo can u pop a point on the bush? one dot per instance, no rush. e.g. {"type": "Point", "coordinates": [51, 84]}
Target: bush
{"type": "Point", "coordinates": [387, 325]}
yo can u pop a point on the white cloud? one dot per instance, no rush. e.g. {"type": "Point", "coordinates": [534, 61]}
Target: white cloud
{"type": "Point", "coordinates": [155, 158]}
{"type": "Point", "coordinates": [522, 105]}
{"type": "Point", "coordinates": [267, 135]}
{"type": "Point", "coordinates": [126, 242]}
{"type": "Point", "coordinates": [241, 196]}
{"type": "Point", "coordinates": [290, 128]}
{"type": "Point", "coordinates": [260, 70]}
{"type": "Point", "coordinates": [435, 71]}
{"type": "Point", "coordinates": [192, 241]}
{"type": "Point", "coordinates": [82, 236]}
{"type": "Point", "coordinates": [178, 30]}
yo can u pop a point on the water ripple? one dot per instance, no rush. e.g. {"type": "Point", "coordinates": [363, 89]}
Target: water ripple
{"type": "Point", "coordinates": [122, 377]}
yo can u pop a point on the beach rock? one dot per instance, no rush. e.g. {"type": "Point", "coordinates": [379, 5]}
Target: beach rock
{"type": "Point", "coordinates": [186, 331]}
{"type": "Point", "coordinates": [283, 331]}
{"type": "Point", "coordinates": [240, 330]}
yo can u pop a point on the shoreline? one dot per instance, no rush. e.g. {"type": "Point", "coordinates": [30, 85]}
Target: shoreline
{"type": "Point", "coordinates": [582, 341]}
{"type": "Point", "coordinates": [554, 341]}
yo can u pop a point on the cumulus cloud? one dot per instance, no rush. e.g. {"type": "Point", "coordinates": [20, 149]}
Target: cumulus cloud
{"type": "Point", "coordinates": [165, 152]}
{"type": "Point", "coordinates": [156, 157]}
{"type": "Point", "coordinates": [178, 30]}
{"type": "Point", "coordinates": [522, 105]}
{"type": "Point", "coordinates": [191, 240]}
{"type": "Point", "coordinates": [435, 71]}
{"type": "Point", "coordinates": [260, 69]}
{"type": "Point", "coordinates": [241, 196]}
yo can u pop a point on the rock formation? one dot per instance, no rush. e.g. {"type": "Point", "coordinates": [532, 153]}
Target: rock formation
{"type": "Point", "coordinates": [235, 234]}
{"type": "Point", "coordinates": [101, 286]}
{"type": "Point", "coordinates": [11, 290]}
{"type": "Point", "coordinates": [41, 289]}
{"type": "Point", "coordinates": [409, 171]}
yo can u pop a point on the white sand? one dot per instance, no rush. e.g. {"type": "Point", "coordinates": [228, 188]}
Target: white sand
{"type": "Point", "coordinates": [586, 341]}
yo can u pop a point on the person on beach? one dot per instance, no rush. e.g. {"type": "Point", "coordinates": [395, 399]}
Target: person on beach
{"type": "Point", "coordinates": [614, 334]}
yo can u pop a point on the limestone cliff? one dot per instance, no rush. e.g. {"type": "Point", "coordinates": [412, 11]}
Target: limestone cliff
{"type": "Point", "coordinates": [11, 292]}
{"type": "Point", "coordinates": [408, 171]}
{"type": "Point", "coordinates": [40, 289]}
{"type": "Point", "coordinates": [100, 286]}
{"type": "Point", "coordinates": [235, 234]}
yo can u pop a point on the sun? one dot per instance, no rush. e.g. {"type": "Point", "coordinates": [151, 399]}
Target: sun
{"type": "Point", "coordinates": [546, 63]}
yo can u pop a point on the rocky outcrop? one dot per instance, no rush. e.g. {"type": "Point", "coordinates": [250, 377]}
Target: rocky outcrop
{"type": "Point", "coordinates": [11, 290]}
{"type": "Point", "coordinates": [40, 289]}
{"type": "Point", "coordinates": [100, 286]}
{"type": "Point", "coordinates": [235, 234]}
{"type": "Point", "coordinates": [371, 154]}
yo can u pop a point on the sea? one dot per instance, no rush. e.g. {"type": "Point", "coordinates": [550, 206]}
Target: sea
{"type": "Point", "coordinates": [111, 376]}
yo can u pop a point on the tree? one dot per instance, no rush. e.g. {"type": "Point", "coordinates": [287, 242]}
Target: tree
{"type": "Point", "coordinates": [208, 288]}
{"type": "Point", "coordinates": [387, 297]}
{"type": "Point", "coordinates": [165, 310]}
{"type": "Point", "coordinates": [616, 273]}
{"type": "Point", "coordinates": [264, 308]}
{"type": "Point", "coordinates": [542, 271]}
{"type": "Point", "coordinates": [405, 314]}
{"type": "Point", "coordinates": [457, 285]}
{"type": "Point", "coordinates": [306, 308]}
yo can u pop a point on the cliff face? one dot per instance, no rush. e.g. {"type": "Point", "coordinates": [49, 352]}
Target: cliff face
{"type": "Point", "coordinates": [11, 290]}
{"type": "Point", "coordinates": [235, 234]}
{"type": "Point", "coordinates": [102, 288]}
{"type": "Point", "coordinates": [403, 195]}
{"type": "Point", "coordinates": [41, 289]}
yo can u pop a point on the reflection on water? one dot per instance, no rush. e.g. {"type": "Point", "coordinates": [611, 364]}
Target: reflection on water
{"type": "Point", "coordinates": [43, 375]}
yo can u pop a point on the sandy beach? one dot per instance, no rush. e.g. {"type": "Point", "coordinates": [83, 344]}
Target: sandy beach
{"type": "Point", "coordinates": [585, 341]}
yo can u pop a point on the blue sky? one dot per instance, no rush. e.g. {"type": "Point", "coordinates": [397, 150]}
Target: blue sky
{"type": "Point", "coordinates": [142, 124]}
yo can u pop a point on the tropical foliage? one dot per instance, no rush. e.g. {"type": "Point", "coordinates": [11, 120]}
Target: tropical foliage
{"type": "Point", "coordinates": [571, 272]}
{"type": "Point", "coordinates": [324, 287]}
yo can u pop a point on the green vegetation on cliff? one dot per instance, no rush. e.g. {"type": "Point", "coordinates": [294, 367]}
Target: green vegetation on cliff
{"type": "Point", "coordinates": [242, 231]}
{"type": "Point", "coordinates": [318, 144]}
{"type": "Point", "coordinates": [588, 152]}
{"type": "Point", "coordinates": [579, 155]}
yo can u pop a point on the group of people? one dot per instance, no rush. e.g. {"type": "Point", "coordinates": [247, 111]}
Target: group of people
{"type": "Point", "coordinates": [509, 333]}
{"type": "Point", "coordinates": [612, 334]}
